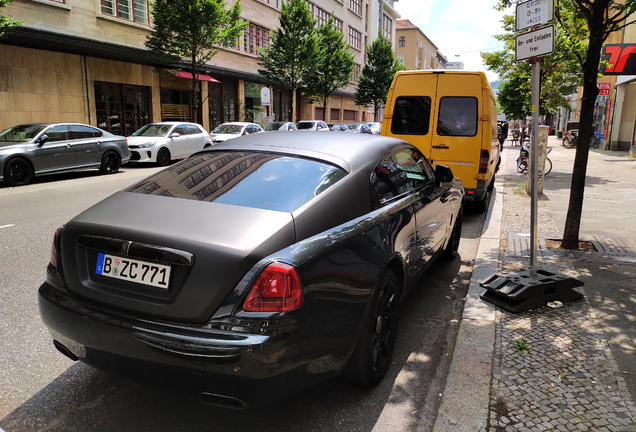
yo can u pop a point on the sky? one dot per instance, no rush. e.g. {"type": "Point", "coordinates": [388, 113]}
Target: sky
{"type": "Point", "coordinates": [459, 28]}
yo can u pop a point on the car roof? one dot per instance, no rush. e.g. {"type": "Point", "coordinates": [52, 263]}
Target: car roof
{"type": "Point", "coordinates": [238, 123]}
{"type": "Point", "coordinates": [348, 151]}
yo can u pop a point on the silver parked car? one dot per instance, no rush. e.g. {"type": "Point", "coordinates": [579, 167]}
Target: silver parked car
{"type": "Point", "coordinates": [50, 148]}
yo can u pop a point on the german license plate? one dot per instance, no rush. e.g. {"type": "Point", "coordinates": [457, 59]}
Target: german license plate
{"type": "Point", "coordinates": [132, 270]}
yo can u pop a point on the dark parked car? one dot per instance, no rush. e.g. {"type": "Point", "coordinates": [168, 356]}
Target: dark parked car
{"type": "Point", "coordinates": [338, 127]}
{"type": "Point", "coordinates": [276, 263]}
{"type": "Point", "coordinates": [50, 148]}
{"type": "Point", "coordinates": [359, 128]}
{"type": "Point", "coordinates": [375, 127]}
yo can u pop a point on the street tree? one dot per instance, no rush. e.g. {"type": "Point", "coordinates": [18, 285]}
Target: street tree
{"type": "Point", "coordinates": [334, 67]}
{"type": "Point", "coordinates": [600, 18]}
{"type": "Point", "coordinates": [288, 61]}
{"type": "Point", "coordinates": [193, 31]}
{"type": "Point", "coordinates": [6, 22]}
{"type": "Point", "coordinates": [377, 75]}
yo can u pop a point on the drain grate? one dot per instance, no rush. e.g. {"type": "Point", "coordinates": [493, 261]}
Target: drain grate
{"type": "Point", "coordinates": [608, 248]}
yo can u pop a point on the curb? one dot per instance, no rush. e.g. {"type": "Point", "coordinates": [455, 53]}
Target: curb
{"type": "Point", "coordinates": [466, 395]}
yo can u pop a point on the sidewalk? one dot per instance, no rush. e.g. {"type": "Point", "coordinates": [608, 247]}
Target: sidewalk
{"type": "Point", "coordinates": [581, 363]}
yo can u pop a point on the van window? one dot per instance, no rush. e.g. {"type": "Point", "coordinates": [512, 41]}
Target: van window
{"type": "Point", "coordinates": [411, 115]}
{"type": "Point", "coordinates": [457, 116]}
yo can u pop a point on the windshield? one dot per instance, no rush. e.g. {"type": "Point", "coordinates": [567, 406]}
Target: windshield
{"type": "Point", "coordinates": [154, 130]}
{"type": "Point", "coordinates": [274, 126]}
{"type": "Point", "coordinates": [353, 125]}
{"type": "Point", "coordinates": [228, 129]}
{"type": "Point", "coordinates": [306, 125]}
{"type": "Point", "coordinates": [248, 179]}
{"type": "Point", "coordinates": [21, 133]}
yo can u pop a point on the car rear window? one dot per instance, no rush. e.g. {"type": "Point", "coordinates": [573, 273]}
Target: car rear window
{"type": "Point", "coordinates": [266, 181]}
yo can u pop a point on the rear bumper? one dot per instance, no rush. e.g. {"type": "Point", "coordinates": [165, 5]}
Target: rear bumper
{"type": "Point", "coordinates": [477, 194]}
{"type": "Point", "coordinates": [240, 368]}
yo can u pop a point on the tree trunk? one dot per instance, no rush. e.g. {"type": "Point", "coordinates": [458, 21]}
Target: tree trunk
{"type": "Point", "coordinates": [290, 112]}
{"type": "Point", "coordinates": [294, 113]}
{"type": "Point", "coordinates": [193, 92]}
{"type": "Point", "coordinates": [590, 91]}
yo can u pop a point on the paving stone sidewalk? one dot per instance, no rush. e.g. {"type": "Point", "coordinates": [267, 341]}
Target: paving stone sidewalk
{"type": "Point", "coordinates": [568, 379]}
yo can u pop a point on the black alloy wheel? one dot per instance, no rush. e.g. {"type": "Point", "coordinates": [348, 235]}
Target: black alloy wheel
{"type": "Point", "coordinates": [372, 356]}
{"type": "Point", "coordinates": [18, 172]}
{"type": "Point", "coordinates": [110, 162]}
{"type": "Point", "coordinates": [163, 157]}
{"type": "Point", "coordinates": [452, 248]}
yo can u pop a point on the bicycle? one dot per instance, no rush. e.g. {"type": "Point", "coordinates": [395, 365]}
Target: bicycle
{"type": "Point", "coordinates": [522, 161]}
{"type": "Point", "coordinates": [572, 141]}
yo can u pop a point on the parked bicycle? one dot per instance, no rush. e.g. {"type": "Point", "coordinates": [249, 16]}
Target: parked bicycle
{"type": "Point", "coordinates": [524, 155]}
{"type": "Point", "coordinates": [570, 141]}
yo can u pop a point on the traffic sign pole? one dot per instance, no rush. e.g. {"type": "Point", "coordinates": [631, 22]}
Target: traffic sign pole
{"type": "Point", "coordinates": [534, 160]}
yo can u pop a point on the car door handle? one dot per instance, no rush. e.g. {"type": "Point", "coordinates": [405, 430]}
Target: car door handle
{"type": "Point", "coordinates": [445, 196]}
{"type": "Point", "coordinates": [443, 146]}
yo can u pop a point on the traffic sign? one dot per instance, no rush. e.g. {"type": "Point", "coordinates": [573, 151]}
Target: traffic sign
{"type": "Point", "coordinates": [535, 43]}
{"type": "Point", "coordinates": [533, 13]}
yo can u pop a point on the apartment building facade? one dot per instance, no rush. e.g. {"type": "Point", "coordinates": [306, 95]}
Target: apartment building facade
{"type": "Point", "coordinates": [85, 61]}
{"type": "Point", "coordinates": [414, 49]}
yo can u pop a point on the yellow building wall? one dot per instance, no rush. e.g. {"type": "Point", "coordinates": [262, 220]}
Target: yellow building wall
{"type": "Point", "coordinates": [40, 86]}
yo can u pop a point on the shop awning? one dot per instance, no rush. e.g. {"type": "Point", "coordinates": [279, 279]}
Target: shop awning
{"type": "Point", "coordinates": [188, 75]}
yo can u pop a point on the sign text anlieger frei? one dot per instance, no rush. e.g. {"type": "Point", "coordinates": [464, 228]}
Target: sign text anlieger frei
{"type": "Point", "coordinates": [533, 13]}
{"type": "Point", "coordinates": [534, 44]}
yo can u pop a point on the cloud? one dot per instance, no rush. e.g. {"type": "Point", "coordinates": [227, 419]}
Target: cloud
{"type": "Point", "coordinates": [416, 11]}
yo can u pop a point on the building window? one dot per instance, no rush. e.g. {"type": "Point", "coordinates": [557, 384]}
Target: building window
{"type": "Point", "coordinates": [355, 38]}
{"type": "Point", "coordinates": [402, 41]}
{"type": "Point", "coordinates": [401, 59]}
{"type": "Point", "coordinates": [338, 23]}
{"type": "Point", "coordinates": [275, 3]}
{"type": "Point", "coordinates": [350, 115]}
{"type": "Point", "coordinates": [334, 115]}
{"type": "Point", "coordinates": [131, 10]}
{"type": "Point", "coordinates": [255, 37]}
{"type": "Point", "coordinates": [387, 27]}
{"type": "Point", "coordinates": [356, 73]}
{"type": "Point", "coordinates": [319, 114]}
{"type": "Point", "coordinates": [355, 6]}
{"type": "Point", "coordinates": [322, 16]}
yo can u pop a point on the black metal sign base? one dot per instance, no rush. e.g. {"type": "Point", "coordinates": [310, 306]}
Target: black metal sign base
{"type": "Point", "coordinates": [518, 291]}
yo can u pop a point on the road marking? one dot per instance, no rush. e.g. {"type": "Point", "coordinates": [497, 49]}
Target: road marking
{"type": "Point", "coordinates": [6, 226]}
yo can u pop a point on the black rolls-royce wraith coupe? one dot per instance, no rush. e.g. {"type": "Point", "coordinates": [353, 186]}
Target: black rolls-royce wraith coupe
{"type": "Point", "coordinates": [255, 268]}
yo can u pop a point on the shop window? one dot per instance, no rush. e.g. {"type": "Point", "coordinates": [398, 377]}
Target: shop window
{"type": "Point", "coordinates": [334, 115]}
{"type": "Point", "coordinates": [355, 38]}
{"type": "Point", "coordinates": [121, 109]}
{"type": "Point", "coordinates": [175, 105]}
{"type": "Point", "coordinates": [255, 37]}
{"type": "Point", "coordinates": [350, 115]}
{"type": "Point", "coordinates": [222, 102]}
{"type": "Point", "coordinates": [130, 10]}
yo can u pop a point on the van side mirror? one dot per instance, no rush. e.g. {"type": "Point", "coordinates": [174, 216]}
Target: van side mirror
{"type": "Point", "coordinates": [443, 174]}
{"type": "Point", "coordinates": [43, 139]}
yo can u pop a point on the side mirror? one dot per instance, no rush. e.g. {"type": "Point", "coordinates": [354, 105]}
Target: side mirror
{"type": "Point", "coordinates": [175, 135]}
{"type": "Point", "coordinates": [43, 139]}
{"type": "Point", "coordinates": [443, 174]}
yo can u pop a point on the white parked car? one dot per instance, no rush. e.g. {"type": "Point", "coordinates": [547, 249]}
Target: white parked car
{"type": "Point", "coordinates": [280, 126]}
{"type": "Point", "coordinates": [162, 142]}
{"type": "Point", "coordinates": [313, 125]}
{"type": "Point", "coordinates": [231, 130]}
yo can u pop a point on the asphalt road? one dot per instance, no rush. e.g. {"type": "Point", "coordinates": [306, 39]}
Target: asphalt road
{"type": "Point", "coordinates": [40, 389]}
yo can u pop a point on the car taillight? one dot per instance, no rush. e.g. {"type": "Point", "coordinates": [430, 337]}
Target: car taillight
{"type": "Point", "coordinates": [277, 289]}
{"type": "Point", "coordinates": [54, 247]}
{"type": "Point", "coordinates": [483, 161]}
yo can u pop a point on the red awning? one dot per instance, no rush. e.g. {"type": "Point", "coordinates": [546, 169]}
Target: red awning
{"type": "Point", "coordinates": [188, 75]}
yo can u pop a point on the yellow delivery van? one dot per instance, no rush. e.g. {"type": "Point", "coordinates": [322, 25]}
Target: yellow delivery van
{"type": "Point", "coordinates": [451, 116]}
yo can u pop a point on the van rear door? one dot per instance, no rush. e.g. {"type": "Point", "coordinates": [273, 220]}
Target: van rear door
{"type": "Point", "coordinates": [457, 131]}
{"type": "Point", "coordinates": [412, 100]}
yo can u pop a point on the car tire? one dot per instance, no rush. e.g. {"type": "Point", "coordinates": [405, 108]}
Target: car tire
{"type": "Point", "coordinates": [111, 161]}
{"type": "Point", "coordinates": [372, 355]}
{"type": "Point", "coordinates": [18, 172]}
{"type": "Point", "coordinates": [163, 157]}
{"type": "Point", "coordinates": [482, 206]}
{"type": "Point", "coordinates": [452, 248]}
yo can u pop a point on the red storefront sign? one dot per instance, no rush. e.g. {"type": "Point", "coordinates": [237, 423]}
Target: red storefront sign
{"type": "Point", "coordinates": [604, 88]}
{"type": "Point", "coordinates": [621, 59]}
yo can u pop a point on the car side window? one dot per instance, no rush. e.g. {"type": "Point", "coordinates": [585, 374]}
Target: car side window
{"type": "Point", "coordinates": [180, 130]}
{"type": "Point", "coordinates": [457, 116]}
{"type": "Point", "coordinates": [411, 115]}
{"type": "Point", "coordinates": [57, 133]}
{"type": "Point", "coordinates": [399, 172]}
{"type": "Point", "coordinates": [192, 130]}
{"type": "Point", "coordinates": [82, 132]}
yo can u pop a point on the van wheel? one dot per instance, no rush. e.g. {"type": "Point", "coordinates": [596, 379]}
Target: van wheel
{"type": "Point", "coordinates": [482, 206]}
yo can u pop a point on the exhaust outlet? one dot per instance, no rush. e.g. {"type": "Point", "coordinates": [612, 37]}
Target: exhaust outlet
{"type": "Point", "coordinates": [221, 401]}
{"type": "Point", "coordinates": [67, 352]}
